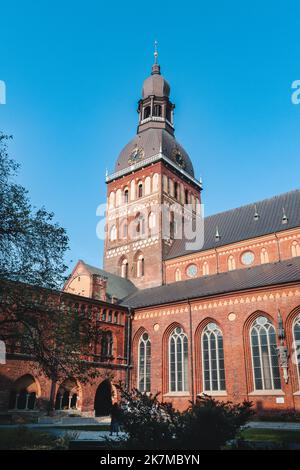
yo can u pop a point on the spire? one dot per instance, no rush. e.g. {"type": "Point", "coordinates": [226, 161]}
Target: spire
{"type": "Point", "coordinates": [155, 66]}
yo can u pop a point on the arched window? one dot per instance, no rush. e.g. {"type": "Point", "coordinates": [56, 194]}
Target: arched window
{"type": "Point", "coordinates": [186, 196]}
{"type": "Point", "coordinates": [124, 269]}
{"type": "Point", "coordinates": [132, 190]}
{"type": "Point", "coordinates": [296, 333]}
{"type": "Point", "coordinates": [144, 363]}
{"type": "Point", "coordinates": [124, 230]}
{"type": "Point", "coordinates": [140, 266]}
{"type": "Point", "coordinates": [109, 316]}
{"type": "Point", "coordinates": [23, 394]}
{"type": "Point", "coordinates": [157, 110]}
{"type": "Point", "coordinates": [264, 355]}
{"type": "Point", "coordinates": [152, 221]}
{"type": "Point", "coordinates": [231, 263]}
{"type": "Point", "coordinates": [126, 196]}
{"type": "Point", "coordinates": [295, 249]}
{"type": "Point", "coordinates": [213, 359]}
{"type": "Point", "coordinates": [67, 395]}
{"type": "Point", "coordinates": [178, 361]}
{"type": "Point", "coordinates": [103, 316]}
{"type": "Point", "coordinates": [140, 189]}
{"type": "Point", "coordinates": [177, 275]}
{"type": "Point", "coordinates": [147, 185]}
{"type": "Point", "coordinates": [155, 182]}
{"type": "Point", "coordinates": [118, 197]}
{"type": "Point", "coordinates": [205, 268]}
{"type": "Point", "coordinates": [106, 344]}
{"type": "Point", "coordinates": [264, 256]}
{"type": "Point", "coordinates": [112, 197]}
{"type": "Point", "coordinates": [176, 191]}
{"type": "Point", "coordinates": [113, 233]}
{"type": "Point", "coordinates": [147, 112]}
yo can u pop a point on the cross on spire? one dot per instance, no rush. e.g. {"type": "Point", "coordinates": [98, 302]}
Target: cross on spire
{"type": "Point", "coordinates": [155, 52]}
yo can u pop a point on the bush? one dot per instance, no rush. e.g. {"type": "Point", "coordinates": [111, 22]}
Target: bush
{"type": "Point", "coordinates": [152, 425]}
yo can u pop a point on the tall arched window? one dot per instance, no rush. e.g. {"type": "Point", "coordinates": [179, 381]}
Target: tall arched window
{"type": "Point", "coordinates": [124, 230]}
{"type": "Point", "coordinates": [178, 361]}
{"type": "Point", "coordinates": [295, 249]}
{"type": "Point", "coordinates": [213, 359]}
{"type": "Point", "coordinates": [140, 266]}
{"type": "Point", "coordinates": [126, 196]}
{"type": "Point", "coordinates": [140, 189]}
{"type": "Point", "coordinates": [264, 256]}
{"type": "Point", "coordinates": [106, 344]}
{"type": "Point", "coordinates": [157, 110]}
{"type": "Point", "coordinates": [296, 333]}
{"type": "Point", "coordinates": [177, 275]}
{"type": "Point", "coordinates": [113, 233]}
{"type": "Point", "coordinates": [205, 268]}
{"type": "Point", "coordinates": [231, 263]}
{"type": "Point", "coordinates": [264, 355]}
{"type": "Point", "coordinates": [112, 198]}
{"type": "Point", "coordinates": [147, 112]}
{"type": "Point", "coordinates": [124, 269]}
{"type": "Point", "coordinates": [152, 221]}
{"type": "Point", "coordinates": [144, 363]}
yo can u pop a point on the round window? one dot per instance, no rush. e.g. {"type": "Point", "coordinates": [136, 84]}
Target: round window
{"type": "Point", "coordinates": [247, 258]}
{"type": "Point", "coordinates": [192, 270]}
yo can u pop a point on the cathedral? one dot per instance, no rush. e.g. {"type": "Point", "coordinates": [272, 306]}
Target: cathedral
{"type": "Point", "coordinates": [191, 305]}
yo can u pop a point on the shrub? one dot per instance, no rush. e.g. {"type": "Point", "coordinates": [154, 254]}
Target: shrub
{"type": "Point", "coordinates": [207, 424]}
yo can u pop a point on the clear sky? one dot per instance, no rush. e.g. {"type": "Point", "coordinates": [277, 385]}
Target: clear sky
{"type": "Point", "coordinates": [74, 72]}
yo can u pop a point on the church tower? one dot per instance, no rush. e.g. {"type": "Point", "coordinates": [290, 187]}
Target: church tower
{"type": "Point", "coordinates": [152, 174]}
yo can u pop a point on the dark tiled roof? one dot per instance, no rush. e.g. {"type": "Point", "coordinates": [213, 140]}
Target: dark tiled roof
{"type": "Point", "coordinates": [233, 281]}
{"type": "Point", "coordinates": [152, 141]}
{"type": "Point", "coordinates": [117, 286]}
{"type": "Point", "coordinates": [239, 224]}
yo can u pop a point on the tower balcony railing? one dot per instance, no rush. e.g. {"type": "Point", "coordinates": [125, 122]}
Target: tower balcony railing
{"type": "Point", "coordinates": [157, 119]}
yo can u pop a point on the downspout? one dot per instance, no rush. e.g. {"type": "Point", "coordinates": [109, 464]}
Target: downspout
{"type": "Point", "coordinates": [191, 351]}
{"type": "Point", "coordinates": [278, 248]}
{"type": "Point", "coordinates": [128, 358]}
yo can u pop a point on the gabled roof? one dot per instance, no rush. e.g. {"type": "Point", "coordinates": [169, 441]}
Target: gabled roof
{"type": "Point", "coordinates": [232, 281]}
{"type": "Point", "coordinates": [240, 224]}
{"type": "Point", "coordinates": [117, 286]}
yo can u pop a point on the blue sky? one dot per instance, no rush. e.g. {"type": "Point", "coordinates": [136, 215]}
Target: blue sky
{"type": "Point", "coordinates": [74, 72]}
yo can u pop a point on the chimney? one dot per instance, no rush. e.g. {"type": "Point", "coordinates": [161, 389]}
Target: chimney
{"type": "Point", "coordinates": [99, 285]}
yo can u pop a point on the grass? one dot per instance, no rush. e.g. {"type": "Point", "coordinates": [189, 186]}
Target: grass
{"type": "Point", "coordinates": [78, 427]}
{"type": "Point", "coordinates": [24, 438]}
{"type": "Point", "coordinates": [271, 435]}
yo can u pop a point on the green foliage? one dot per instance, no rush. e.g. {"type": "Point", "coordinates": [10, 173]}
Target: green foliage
{"type": "Point", "coordinates": [34, 439]}
{"type": "Point", "coordinates": [207, 424]}
{"type": "Point", "coordinates": [32, 246]}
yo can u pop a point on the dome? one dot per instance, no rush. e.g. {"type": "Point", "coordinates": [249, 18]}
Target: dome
{"type": "Point", "coordinates": [151, 142]}
{"type": "Point", "coordinates": [156, 85]}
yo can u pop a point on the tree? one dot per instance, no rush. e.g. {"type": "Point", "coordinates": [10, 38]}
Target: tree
{"type": "Point", "coordinates": [32, 246]}
{"type": "Point", "coordinates": [35, 319]}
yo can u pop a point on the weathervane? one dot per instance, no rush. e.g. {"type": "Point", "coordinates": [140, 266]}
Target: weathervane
{"type": "Point", "coordinates": [155, 52]}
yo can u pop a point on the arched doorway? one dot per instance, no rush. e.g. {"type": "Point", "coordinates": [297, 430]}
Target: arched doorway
{"type": "Point", "coordinates": [103, 399]}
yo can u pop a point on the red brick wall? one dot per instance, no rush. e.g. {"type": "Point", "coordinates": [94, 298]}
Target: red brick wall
{"type": "Point", "coordinates": [242, 310]}
{"type": "Point", "coordinates": [278, 247]}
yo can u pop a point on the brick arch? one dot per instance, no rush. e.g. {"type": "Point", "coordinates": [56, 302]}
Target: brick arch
{"type": "Point", "coordinates": [289, 323]}
{"type": "Point", "coordinates": [165, 354]}
{"type": "Point", "coordinates": [247, 346]}
{"type": "Point", "coordinates": [198, 351]}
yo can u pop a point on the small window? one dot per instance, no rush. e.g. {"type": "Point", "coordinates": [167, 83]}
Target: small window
{"type": "Point", "coordinates": [295, 249]}
{"type": "Point", "coordinates": [140, 190]}
{"type": "Point", "coordinates": [231, 263]}
{"type": "Point", "coordinates": [157, 110]}
{"type": "Point", "coordinates": [147, 112]}
{"type": "Point", "coordinates": [126, 196]}
{"type": "Point", "coordinates": [110, 316]}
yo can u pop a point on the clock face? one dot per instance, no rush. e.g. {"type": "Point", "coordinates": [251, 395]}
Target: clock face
{"type": "Point", "coordinates": [247, 258]}
{"type": "Point", "coordinates": [178, 157]}
{"type": "Point", "coordinates": [192, 270]}
{"type": "Point", "coordinates": [136, 155]}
